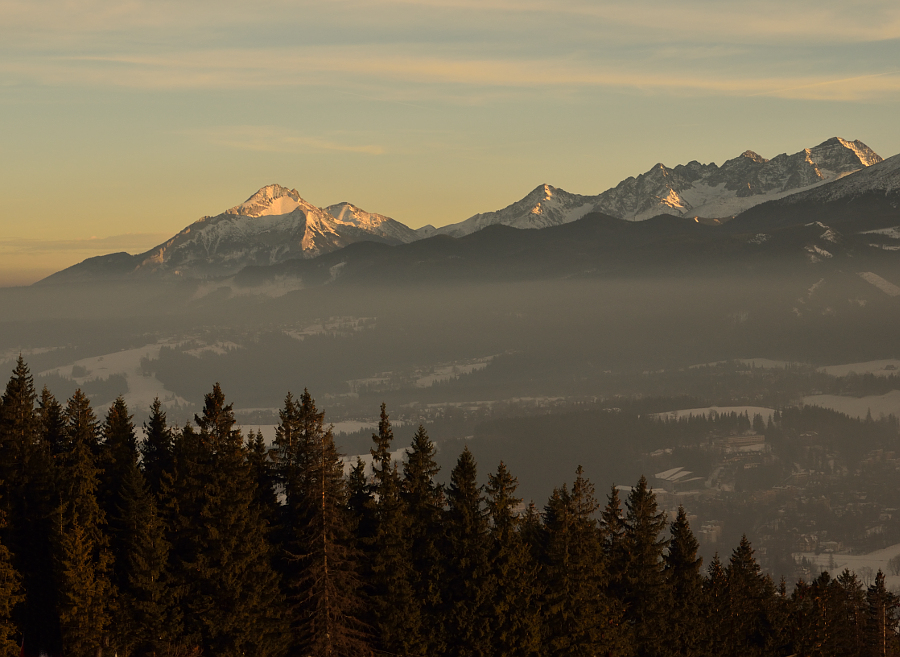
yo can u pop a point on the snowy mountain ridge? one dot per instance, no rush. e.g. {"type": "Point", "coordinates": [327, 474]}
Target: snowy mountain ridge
{"type": "Point", "coordinates": [544, 206]}
{"type": "Point", "coordinates": [273, 225]}
{"type": "Point", "coordinates": [693, 189]}
{"type": "Point", "coordinates": [883, 178]}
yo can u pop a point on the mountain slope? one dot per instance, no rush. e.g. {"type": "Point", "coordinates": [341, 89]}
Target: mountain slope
{"type": "Point", "coordinates": [273, 225]}
{"type": "Point", "coordinates": [693, 189]}
{"type": "Point", "coordinates": [276, 225]}
{"type": "Point", "coordinates": [544, 206]}
{"type": "Point", "coordinates": [863, 201]}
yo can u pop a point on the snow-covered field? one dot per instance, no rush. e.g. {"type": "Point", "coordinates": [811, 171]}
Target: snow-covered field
{"type": "Point", "coordinates": [884, 367]}
{"type": "Point", "coordinates": [332, 324]}
{"type": "Point", "coordinates": [142, 390]}
{"type": "Point", "coordinates": [343, 427]}
{"type": "Point", "coordinates": [766, 363]}
{"type": "Point", "coordinates": [397, 455]}
{"type": "Point", "coordinates": [878, 405]}
{"type": "Point", "coordinates": [864, 565]}
{"type": "Point", "coordinates": [721, 410]}
{"type": "Point", "coordinates": [447, 372]}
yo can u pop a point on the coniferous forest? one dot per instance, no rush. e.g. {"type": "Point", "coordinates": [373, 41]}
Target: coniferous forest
{"type": "Point", "coordinates": [122, 539]}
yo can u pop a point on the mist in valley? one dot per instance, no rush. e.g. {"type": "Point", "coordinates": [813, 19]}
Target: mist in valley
{"type": "Point", "coordinates": [545, 375]}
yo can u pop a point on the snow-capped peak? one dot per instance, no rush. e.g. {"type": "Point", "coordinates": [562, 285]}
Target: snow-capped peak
{"type": "Point", "coordinates": [866, 155]}
{"type": "Point", "coordinates": [694, 189]}
{"type": "Point", "coordinates": [347, 214]}
{"type": "Point", "coordinates": [269, 200]}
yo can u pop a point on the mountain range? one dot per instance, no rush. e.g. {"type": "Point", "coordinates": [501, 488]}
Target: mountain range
{"type": "Point", "coordinates": [275, 228]}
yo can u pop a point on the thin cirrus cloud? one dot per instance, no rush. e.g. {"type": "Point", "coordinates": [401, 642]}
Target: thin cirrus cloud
{"type": "Point", "coordinates": [760, 20]}
{"type": "Point", "coordinates": [336, 66]}
{"type": "Point", "coordinates": [267, 139]}
{"type": "Point", "coordinates": [127, 242]}
{"type": "Point", "coordinates": [702, 47]}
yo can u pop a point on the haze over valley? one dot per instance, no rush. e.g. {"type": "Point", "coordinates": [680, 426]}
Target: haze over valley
{"type": "Point", "coordinates": [446, 328]}
{"type": "Point", "coordinates": [773, 288]}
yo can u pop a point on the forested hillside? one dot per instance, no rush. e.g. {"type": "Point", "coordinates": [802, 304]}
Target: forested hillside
{"type": "Point", "coordinates": [200, 540]}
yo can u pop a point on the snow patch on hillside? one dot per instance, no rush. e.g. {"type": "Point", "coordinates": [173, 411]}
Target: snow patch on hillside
{"type": "Point", "coordinates": [719, 410]}
{"type": "Point", "coordinates": [142, 390]}
{"type": "Point", "coordinates": [893, 232]}
{"type": "Point", "coordinates": [885, 367]}
{"type": "Point", "coordinates": [885, 286]}
{"type": "Point", "coordinates": [878, 405]}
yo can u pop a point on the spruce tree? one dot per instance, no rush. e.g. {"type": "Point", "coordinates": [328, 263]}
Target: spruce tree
{"type": "Point", "coordinates": [746, 627]}
{"type": "Point", "coordinates": [11, 594]}
{"type": "Point", "coordinates": [513, 605]}
{"type": "Point", "coordinates": [531, 529]}
{"type": "Point", "coordinates": [359, 496]}
{"type": "Point", "coordinates": [301, 425]}
{"type": "Point", "coordinates": [612, 531]}
{"type": "Point", "coordinates": [684, 583]}
{"type": "Point", "coordinates": [395, 610]}
{"type": "Point", "coordinates": [643, 582]}
{"type": "Point", "coordinates": [424, 500]}
{"type": "Point", "coordinates": [52, 422]}
{"type": "Point", "coordinates": [882, 619]}
{"type": "Point", "coordinates": [715, 608]}
{"type": "Point", "coordinates": [117, 459]}
{"type": "Point", "coordinates": [35, 546]}
{"type": "Point", "coordinates": [230, 594]}
{"type": "Point", "coordinates": [780, 612]}
{"type": "Point", "coordinates": [803, 626]}
{"type": "Point", "coordinates": [466, 561]}
{"type": "Point", "coordinates": [149, 618]}
{"type": "Point", "coordinates": [328, 607]}
{"type": "Point", "coordinates": [263, 473]}
{"type": "Point", "coordinates": [156, 448]}
{"type": "Point", "coordinates": [18, 431]}
{"type": "Point", "coordinates": [581, 618]}
{"type": "Point", "coordinates": [296, 436]}
{"type": "Point", "coordinates": [851, 637]}
{"type": "Point", "coordinates": [82, 557]}
{"type": "Point", "coordinates": [19, 439]}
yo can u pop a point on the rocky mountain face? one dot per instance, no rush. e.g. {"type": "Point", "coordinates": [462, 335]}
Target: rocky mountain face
{"type": "Point", "coordinates": [276, 225]}
{"type": "Point", "coordinates": [692, 190]}
{"type": "Point", "coordinates": [545, 206]}
{"type": "Point", "coordinates": [273, 225]}
{"type": "Point", "coordinates": [868, 199]}
{"type": "Point", "coordinates": [346, 214]}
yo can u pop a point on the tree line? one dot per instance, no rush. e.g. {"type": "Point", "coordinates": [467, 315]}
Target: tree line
{"type": "Point", "coordinates": [198, 540]}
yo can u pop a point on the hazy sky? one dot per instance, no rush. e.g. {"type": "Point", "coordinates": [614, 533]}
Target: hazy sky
{"type": "Point", "coordinates": [122, 122]}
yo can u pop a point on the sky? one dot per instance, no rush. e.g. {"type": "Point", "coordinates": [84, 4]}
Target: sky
{"type": "Point", "coordinates": [123, 122]}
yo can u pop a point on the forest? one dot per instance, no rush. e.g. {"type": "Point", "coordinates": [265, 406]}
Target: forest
{"type": "Point", "coordinates": [197, 540]}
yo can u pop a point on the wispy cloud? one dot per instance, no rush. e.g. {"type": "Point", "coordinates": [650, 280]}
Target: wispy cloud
{"type": "Point", "coordinates": [757, 21]}
{"type": "Point", "coordinates": [852, 88]}
{"type": "Point", "coordinates": [694, 46]}
{"type": "Point", "coordinates": [340, 66]}
{"type": "Point", "coordinates": [271, 139]}
{"type": "Point", "coordinates": [92, 245]}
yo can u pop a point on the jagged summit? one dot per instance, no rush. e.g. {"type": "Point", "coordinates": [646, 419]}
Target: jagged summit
{"type": "Point", "coordinates": [269, 200]}
{"type": "Point", "coordinates": [693, 189]}
{"type": "Point", "coordinates": [882, 177]}
{"type": "Point", "coordinates": [275, 224]}
{"type": "Point", "coordinates": [544, 206]}
{"type": "Point", "coordinates": [347, 214]}
{"type": "Point", "coordinates": [755, 157]}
